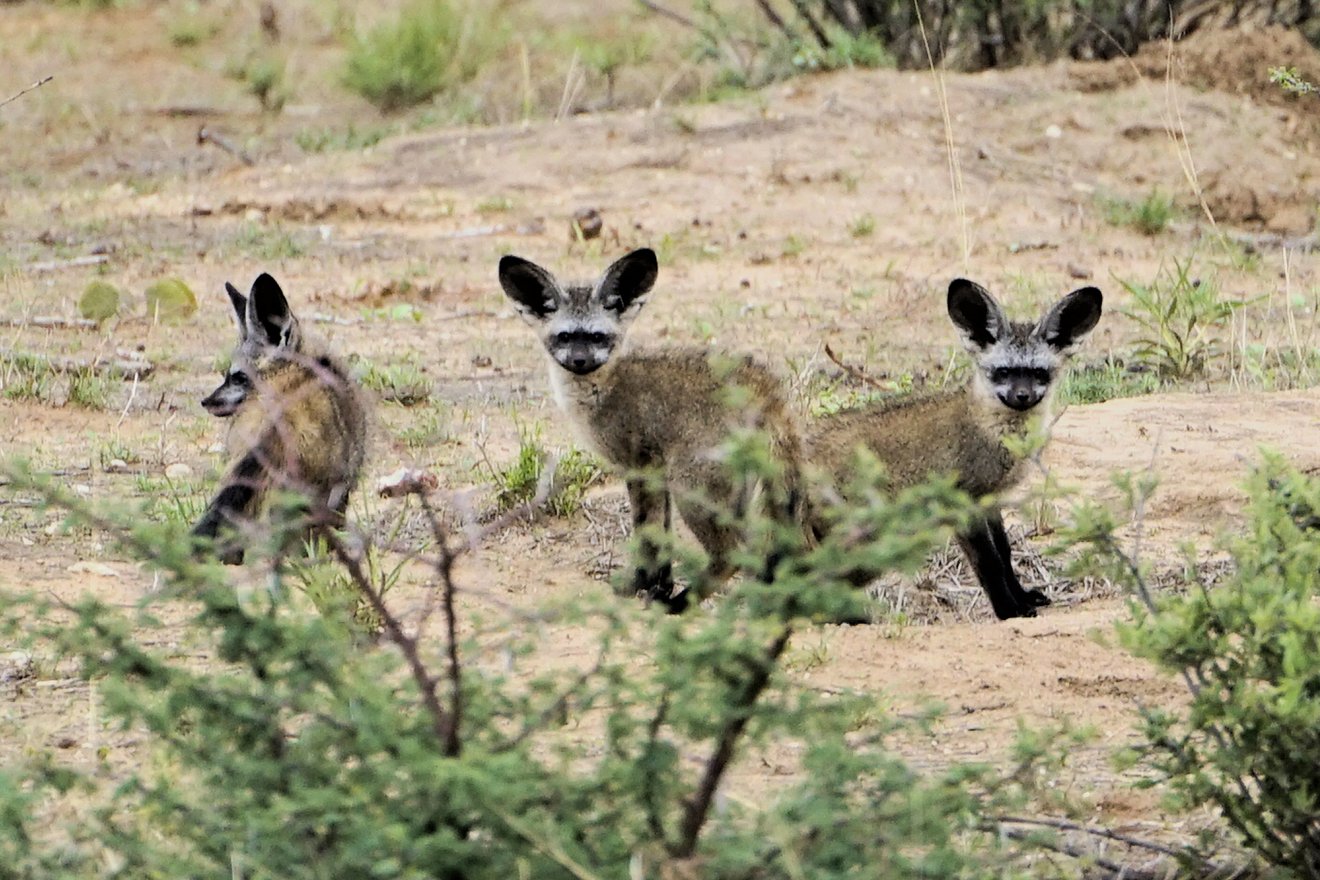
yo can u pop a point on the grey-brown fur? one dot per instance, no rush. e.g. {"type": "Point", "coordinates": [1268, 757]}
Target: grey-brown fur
{"type": "Point", "coordinates": [660, 417]}
{"type": "Point", "coordinates": [1014, 376]}
{"type": "Point", "coordinates": [300, 426]}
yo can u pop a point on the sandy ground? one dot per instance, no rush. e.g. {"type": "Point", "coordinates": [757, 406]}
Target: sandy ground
{"type": "Point", "coordinates": [818, 211]}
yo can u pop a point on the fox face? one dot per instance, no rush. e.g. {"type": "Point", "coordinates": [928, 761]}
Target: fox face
{"type": "Point", "coordinates": [1016, 363]}
{"type": "Point", "coordinates": [266, 326]}
{"type": "Point", "coordinates": [581, 326]}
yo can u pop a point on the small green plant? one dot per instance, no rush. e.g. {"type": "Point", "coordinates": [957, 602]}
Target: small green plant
{"type": "Point", "coordinates": [1288, 79]}
{"type": "Point", "coordinates": [794, 245]}
{"type": "Point", "coordinates": [1181, 320]}
{"type": "Point", "coordinates": [192, 28]}
{"type": "Point", "coordinates": [268, 242]}
{"type": "Point", "coordinates": [1105, 381]}
{"type": "Point", "coordinates": [433, 46]}
{"type": "Point", "coordinates": [519, 482]}
{"type": "Point", "coordinates": [322, 140]}
{"type": "Point", "coordinates": [1150, 216]}
{"type": "Point", "coordinates": [495, 205]}
{"type": "Point", "coordinates": [88, 389]}
{"type": "Point", "coordinates": [402, 383]}
{"type": "Point", "coordinates": [429, 427]}
{"type": "Point", "coordinates": [25, 377]}
{"type": "Point", "coordinates": [180, 502]}
{"type": "Point", "coordinates": [863, 226]}
{"type": "Point", "coordinates": [262, 73]}
{"type": "Point", "coordinates": [114, 451]}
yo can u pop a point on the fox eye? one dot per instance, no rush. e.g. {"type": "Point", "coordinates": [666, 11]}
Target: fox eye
{"type": "Point", "coordinates": [1041, 375]}
{"type": "Point", "coordinates": [240, 379]}
{"type": "Point", "coordinates": [1000, 374]}
{"type": "Point", "coordinates": [597, 338]}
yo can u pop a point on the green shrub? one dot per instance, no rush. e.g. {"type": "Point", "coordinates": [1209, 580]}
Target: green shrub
{"type": "Point", "coordinates": [435, 45]}
{"type": "Point", "coordinates": [1249, 650]}
{"type": "Point", "coordinates": [518, 483]}
{"type": "Point", "coordinates": [294, 753]}
{"type": "Point", "coordinates": [1181, 320]}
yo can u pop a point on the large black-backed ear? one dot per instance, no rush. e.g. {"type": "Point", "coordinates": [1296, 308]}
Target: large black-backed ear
{"type": "Point", "coordinates": [239, 302]}
{"type": "Point", "coordinates": [1070, 319]}
{"type": "Point", "coordinates": [534, 291]}
{"type": "Point", "coordinates": [268, 313]}
{"type": "Point", "coordinates": [976, 314]}
{"type": "Point", "coordinates": [628, 280]}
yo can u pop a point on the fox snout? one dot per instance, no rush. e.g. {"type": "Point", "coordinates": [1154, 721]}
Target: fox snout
{"type": "Point", "coordinates": [579, 359]}
{"type": "Point", "coordinates": [1020, 394]}
{"type": "Point", "coordinates": [224, 401]}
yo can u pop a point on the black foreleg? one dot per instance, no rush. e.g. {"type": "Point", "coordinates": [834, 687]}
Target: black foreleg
{"type": "Point", "coordinates": [231, 505]}
{"type": "Point", "coordinates": [981, 542]}
{"type": "Point", "coordinates": [653, 571]}
{"type": "Point", "coordinates": [1034, 598]}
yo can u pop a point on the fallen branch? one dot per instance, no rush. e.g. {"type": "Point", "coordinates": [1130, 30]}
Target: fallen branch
{"type": "Point", "coordinates": [52, 265]}
{"type": "Point", "coordinates": [51, 323]}
{"type": "Point", "coordinates": [36, 85]}
{"type": "Point", "coordinates": [206, 136]}
{"type": "Point", "coordinates": [1209, 868]}
{"type": "Point", "coordinates": [857, 373]}
{"type": "Point", "coordinates": [119, 366]}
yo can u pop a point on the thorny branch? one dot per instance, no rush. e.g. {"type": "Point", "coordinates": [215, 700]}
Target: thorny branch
{"type": "Point", "coordinates": [697, 807]}
{"type": "Point", "coordinates": [441, 720]}
{"type": "Point", "coordinates": [445, 569]}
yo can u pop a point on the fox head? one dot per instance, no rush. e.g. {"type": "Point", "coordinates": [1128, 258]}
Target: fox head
{"type": "Point", "coordinates": [580, 325]}
{"type": "Point", "coordinates": [266, 327]}
{"type": "Point", "coordinates": [1016, 363]}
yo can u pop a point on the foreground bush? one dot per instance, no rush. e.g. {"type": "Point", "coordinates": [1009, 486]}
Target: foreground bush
{"type": "Point", "coordinates": [1249, 651]}
{"type": "Point", "coordinates": [292, 754]}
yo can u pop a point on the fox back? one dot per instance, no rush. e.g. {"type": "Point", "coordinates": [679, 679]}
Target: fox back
{"type": "Point", "coordinates": [667, 411]}
{"type": "Point", "coordinates": [300, 426]}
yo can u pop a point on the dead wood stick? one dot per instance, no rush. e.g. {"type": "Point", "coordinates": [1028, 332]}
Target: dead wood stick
{"type": "Point", "coordinates": [75, 262]}
{"type": "Point", "coordinates": [670, 14]}
{"type": "Point", "coordinates": [51, 323]}
{"type": "Point", "coordinates": [119, 367]}
{"type": "Point", "coordinates": [857, 373]}
{"type": "Point", "coordinates": [36, 85]}
{"type": "Point", "coordinates": [206, 136]}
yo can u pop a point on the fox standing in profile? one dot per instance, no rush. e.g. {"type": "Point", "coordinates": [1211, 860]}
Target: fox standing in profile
{"type": "Point", "coordinates": [300, 423]}
{"type": "Point", "coordinates": [658, 416]}
{"type": "Point", "coordinates": [1015, 368]}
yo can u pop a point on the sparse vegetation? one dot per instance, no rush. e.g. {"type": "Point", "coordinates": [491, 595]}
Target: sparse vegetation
{"type": "Point", "coordinates": [863, 226]}
{"type": "Point", "coordinates": [519, 482]}
{"type": "Point", "coordinates": [89, 389]}
{"type": "Point", "coordinates": [1106, 381]}
{"type": "Point", "coordinates": [403, 383]}
{"type": "Point", "coordinates": [322, 140]}
{"type": "Point", "coordinates": [433, 46]}
{"type": "Point", "coordinates": [1149, 216]}
{"type": "Point", "coordinates": [268, 242]}
{"type": "Point", "coordinates": [429, 426]}
{"type": "Point", "coordinates": [262, 73]}
{"type": "Point", "coordinates": [1182, 321]}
